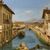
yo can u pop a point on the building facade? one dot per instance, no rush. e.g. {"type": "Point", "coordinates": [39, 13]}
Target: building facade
{"type": "Point", "coordinates": [5, 23]}
{"type": "Point", "coordinates": [46, 17]}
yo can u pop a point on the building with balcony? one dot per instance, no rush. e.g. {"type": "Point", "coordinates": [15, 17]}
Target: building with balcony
{"type": "Point", "coordinates": [5, 23]}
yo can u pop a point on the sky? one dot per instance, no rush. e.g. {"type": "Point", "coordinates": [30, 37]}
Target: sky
{"type": "Point", "coordinates": [27, 10]}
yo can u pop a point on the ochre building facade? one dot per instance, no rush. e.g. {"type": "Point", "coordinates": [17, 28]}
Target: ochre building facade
{"type": "Point", "coordinates": [5, 23]}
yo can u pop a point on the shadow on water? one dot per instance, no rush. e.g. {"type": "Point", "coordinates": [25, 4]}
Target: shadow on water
{"type": "Point", "coordinates": [7, 47]}
{"type": "Point", "coordinates": [30, 40]}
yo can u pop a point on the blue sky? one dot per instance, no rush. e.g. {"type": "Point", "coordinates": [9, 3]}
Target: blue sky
{"type": "Point", "coordinates": [27, 10]}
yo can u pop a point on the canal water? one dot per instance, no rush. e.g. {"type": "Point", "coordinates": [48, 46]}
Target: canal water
{"type": "Point", "coordinates": [30, 40]}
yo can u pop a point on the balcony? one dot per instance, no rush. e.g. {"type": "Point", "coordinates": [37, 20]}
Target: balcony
{"type": "Point", "coordinates": [6, 21]}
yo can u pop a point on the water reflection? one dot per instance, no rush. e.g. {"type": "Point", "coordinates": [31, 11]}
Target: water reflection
{"type": "Point", "coordinates": [30, 40]}
{"type": "Point", "coordinates": [7, 47]}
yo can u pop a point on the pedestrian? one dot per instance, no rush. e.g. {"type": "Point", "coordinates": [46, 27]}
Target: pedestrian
{"type": "Point", "coordinates": [23, 47]}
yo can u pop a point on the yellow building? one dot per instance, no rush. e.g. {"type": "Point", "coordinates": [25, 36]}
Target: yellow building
{"type": "Point", "coordinates": [5, 23]}
{"type": "Point", "coordinates": [46, 17]}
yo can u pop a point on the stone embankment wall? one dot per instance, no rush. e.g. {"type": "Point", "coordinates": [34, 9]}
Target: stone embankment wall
{"type": "Point", "coordinates": [42, 37]}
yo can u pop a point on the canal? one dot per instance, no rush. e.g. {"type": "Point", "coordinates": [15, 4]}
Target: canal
{"type": "Point", "coordinates": [30, 40]}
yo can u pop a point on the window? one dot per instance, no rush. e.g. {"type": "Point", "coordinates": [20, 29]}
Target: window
{"type": "Point", "coordinates": [48, 16]}
{"type": "Point", "coordinates": [6, 34]}
{"type": "Point", "coordinates": [5, 19]}
{"type": "Point", "coordinates": [10, 18]}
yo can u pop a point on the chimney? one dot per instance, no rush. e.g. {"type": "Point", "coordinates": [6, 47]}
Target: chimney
{"type": "Point", "coordinates": [1, 1]}
{"type": "Point", "coordinates": [46, 8]}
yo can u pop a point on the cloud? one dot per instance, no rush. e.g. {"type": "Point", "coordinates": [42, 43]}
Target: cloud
{"type": "Point", "coordinates": [24, 12]}
{"type": "Point", "coordinates": [26, 15]}
{"type": "Point", "coordinates": [23, 15]}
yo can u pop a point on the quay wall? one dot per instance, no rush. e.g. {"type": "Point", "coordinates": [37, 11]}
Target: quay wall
{"type": "Point", "coordinates": [43, 38]}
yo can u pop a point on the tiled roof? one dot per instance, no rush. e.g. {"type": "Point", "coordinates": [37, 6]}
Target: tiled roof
{"type": "Point", "coordinates": [8, 8]}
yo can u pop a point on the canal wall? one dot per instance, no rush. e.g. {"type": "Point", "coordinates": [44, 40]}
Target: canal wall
{"type": "Point", "coordinates": [42, 37]}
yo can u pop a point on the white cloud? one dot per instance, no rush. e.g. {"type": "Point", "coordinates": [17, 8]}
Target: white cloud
{"type": "Point", "coordinates": [28, 13]}
{"type": "Point", "coordinates": [23, 14]}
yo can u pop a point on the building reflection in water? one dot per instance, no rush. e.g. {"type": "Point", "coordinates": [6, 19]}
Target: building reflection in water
{"type": "Point", "coordinates": [7, 47]}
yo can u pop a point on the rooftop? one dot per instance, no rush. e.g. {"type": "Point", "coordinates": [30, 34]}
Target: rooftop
{"type": "Point", "coordinates": [1, 3]}
{"type": "Point", "coordinates": [45, 11]}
